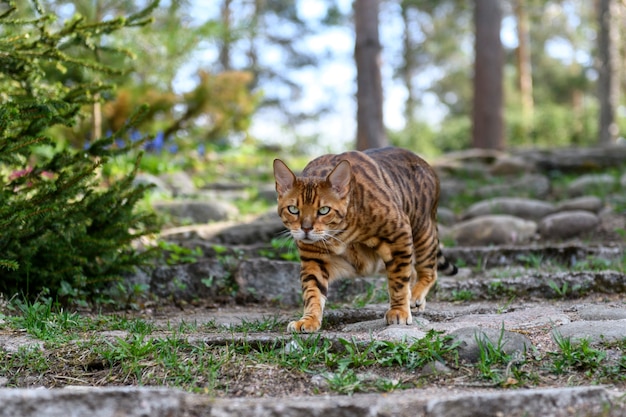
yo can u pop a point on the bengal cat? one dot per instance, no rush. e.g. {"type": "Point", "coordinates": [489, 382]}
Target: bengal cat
{"type": "Point", "coordinates": [358, 213]}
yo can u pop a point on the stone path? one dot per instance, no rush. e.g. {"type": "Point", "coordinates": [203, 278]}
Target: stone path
{"type": "Point", "coordinates": [508, 245]}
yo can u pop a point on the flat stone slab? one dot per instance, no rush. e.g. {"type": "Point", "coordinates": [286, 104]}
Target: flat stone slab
{"type": "Point", "coordinates": [429, 402]}
{"type": "Point", "coordinates": [92, 402]}
{"type": "Point", "coordinates": [599, 331]}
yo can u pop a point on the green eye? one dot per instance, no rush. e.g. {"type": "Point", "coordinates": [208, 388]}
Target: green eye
{"type": "Point", "coordinates": [293, 209]}
{"type": "Point", "coordinates": [324, 210]}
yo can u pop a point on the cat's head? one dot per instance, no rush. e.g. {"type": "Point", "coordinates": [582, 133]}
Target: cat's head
{"type": "Point", "coordinates": [313, 208]}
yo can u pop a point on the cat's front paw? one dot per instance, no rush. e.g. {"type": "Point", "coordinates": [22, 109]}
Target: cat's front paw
{"type": "Point", "coordinates": [304, 325]}
{"type": "Point", "coordinates": [420, 305]}
{"type": "Point", "coordinates": [398, 316]}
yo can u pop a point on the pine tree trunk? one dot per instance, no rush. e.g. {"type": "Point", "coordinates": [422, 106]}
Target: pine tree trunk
{"type": "Point", "coordinates": [370, 127]}
{"type": "Point", "coordinates": [408, 66]}
{"type": "Point", "coordinates": [225, 41]}
{"type": "Point", "coordinates": [488, 127]}
{"type": "Point", "coordinates": [608, 70]}
{"type": "Point", "coordinates": [524, 67]}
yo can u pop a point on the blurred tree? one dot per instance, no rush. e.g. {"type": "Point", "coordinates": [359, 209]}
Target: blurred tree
{"type": "Point", "coordinates": [370, 127]}
{"type": "Point", "coordinates": [608, 12]}
{"type": "Point", "coordinates": [488, 128]}
{"type": "Point", "coordinates": [524, 66]}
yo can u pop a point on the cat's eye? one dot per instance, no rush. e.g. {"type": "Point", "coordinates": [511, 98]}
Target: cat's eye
{"type": "Point", "coordinates": [293, 209]}
{"type": "Point", "coordinates": [323, 210]}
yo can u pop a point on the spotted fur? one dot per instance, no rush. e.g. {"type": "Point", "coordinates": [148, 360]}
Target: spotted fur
{"type": "Point", "coordinates": [358, 213]}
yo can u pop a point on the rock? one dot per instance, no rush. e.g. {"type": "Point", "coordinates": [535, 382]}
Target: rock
{"type": "Point", "coordinates": [586, 184]}
{"type": "Point", "coordinates": [180, 183]}
{"type": "Point", "coordinates": [93, 402]}
{"type": "Point", "coordinates": [567, 224]}
{"type": "Point", "coordinates": [196, 212]}
{"type": "Point", "coordinates": [622, 181]}
{"type": "Point", "coordinates": [445, 216]}
{"type": "Point", "coordinates": [519, 207]}
{"type": "Point", "coordinates": [596, 331]}
{"type": "Point", "coordinates": [511, 165]}
{"type": "Point", "coordinates": [602, 312]}
{"type": "Point", "coordinates": [267, 192]}
{"type": "Point", "coordinates": [519, 319]}
{"type": "Point", "coordinates": [547, 402]}
{"type": "Point", "coordinates": [529, 185]}
{"type": "Point", "coordinates": [586, 203]}
{"type": "Point", "coordinates": [266, 280]}
{"type": "Point", "coordinates": [472, 339]}
{"type": "Point", "coordinates": [205, 279]}
{"type": "Point", "coordinates": [575, 159]}
{"type": "Point", "coordinates": [434, 368]}
{"type": "Point", "coordinates": [260, 230]}
{"type": "Point", "coordinates": [159, 186]}
{"type": "Point", "coordinates": [400, 333]}
{"type": "Point", "coordinates": [493, 229]}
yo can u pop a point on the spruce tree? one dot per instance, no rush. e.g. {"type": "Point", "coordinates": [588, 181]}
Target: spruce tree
{"type": "Point", "coordinates": [61, 230]}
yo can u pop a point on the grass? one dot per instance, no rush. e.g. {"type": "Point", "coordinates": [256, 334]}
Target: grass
{"type": "Point", "coordinates": [81, 350]}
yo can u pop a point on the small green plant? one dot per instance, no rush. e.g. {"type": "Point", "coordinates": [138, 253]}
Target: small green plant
{"type": "Point", "coordinates": [532, 260]}
{"type": "Point", "coordinates": [432, 347]}
{"type": "Point", "coordinates": [560, 291]}
{"type": "Point", "coordinates": [177, 254]}
{"type": "Point", "coordinates": [344, 381]}
{"type": "Point", "coordinates": [462, 295]}
{"type": "Point", "coordinates": [576, 356]}
{"type": "Point", "coordinates": [496, 365]}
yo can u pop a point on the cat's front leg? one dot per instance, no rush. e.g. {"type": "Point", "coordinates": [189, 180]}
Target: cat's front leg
{"type": "Point", "coordinates": [314, 278]}
{"type": "Point", "coordinates": [398, 258]}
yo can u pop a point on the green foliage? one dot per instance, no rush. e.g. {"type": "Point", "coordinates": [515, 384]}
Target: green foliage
{"type": "Point", "coordinates": [62, 231]}
{"type": "Point", "coordinates": [576, 356]}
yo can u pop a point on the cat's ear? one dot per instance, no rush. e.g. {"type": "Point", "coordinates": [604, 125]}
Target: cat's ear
{"type": "Point", "coordinates": [284, 177]}
{"type": "Point", "coordinates": [339, 178]}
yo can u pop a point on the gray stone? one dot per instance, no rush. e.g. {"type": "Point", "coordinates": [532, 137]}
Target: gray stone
{"type": "Point", "coordinates": [180, 183]}
{"type": "Point", "coordinates": [493, 229]}
{"type": "Point", "coordinates": [519, 207]}
{"type": "Point", "coordinates": [470, 340]}
{"type": "Point", "coordinates": [575, 160]}
{"type": "Point", "coordinates": [13, 343]}
{"type": "Point", "coordinates": [529, 185]}
{"type": "Point", "coordinates": [567, 224]}
{"type": "Point", "coordinates": [158, 185]}
{"type": "Point", "coordinates": [267, 192]}
{"type": "Point", "coordinates": [445, 216]}
{"type": "Point", "coordinates": [586, 203]}
{"type": "Point", "coordinates": [510, 165]}
{"type": "Point", "coordinates": [547, 402]}
{"type": "Point", "coordinates": [261, 230]}
{"type": "Point", "coordinates": [434, 368]}
{"type": "Point", "coordinates": [93, 402]}
{"type": "Point", "coordinates": [597, 331]}
{"type": "Point", "coordinates": [196, 211]}
{"type": "Point", "coordinates": [602, 312]}
{"type": "Point", "coordinates": [399, 333]}
{"type": "Point", "coordinates": [586, 184]}
{"type": "Point", "coordinates": [204, 279]}
{"type": "Point", "coordinates": [262, 279]}
{"type": "Point", "coordinates": [520, 319]}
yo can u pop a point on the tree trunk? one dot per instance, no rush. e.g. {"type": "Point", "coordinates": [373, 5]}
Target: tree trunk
{"type": "Point", "coordinates": [225, 41]}
{"type": "Point", "coordinates": [488, 127]}
{"type": "Point", "coordinates": [524, 68]}
{"type": "Point", "coordinates": [370, 127]}
{"type": "Point", "coordinates": [608, 70]}
{"type": "Point", "coordinates": [408, 66]}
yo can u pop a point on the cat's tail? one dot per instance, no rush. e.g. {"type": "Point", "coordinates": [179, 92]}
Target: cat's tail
{"type": "Point", "coordinates": [444, 265]}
